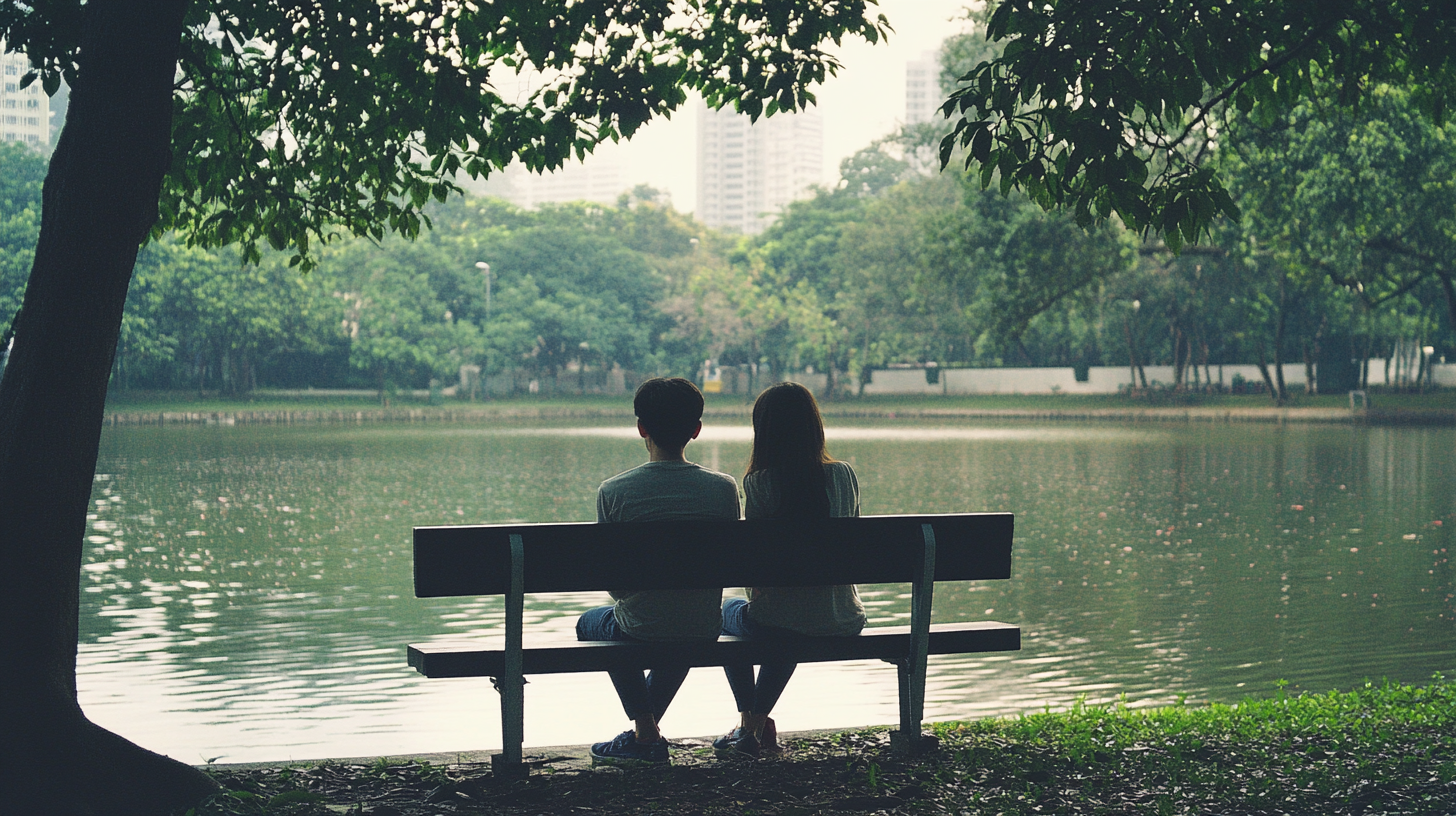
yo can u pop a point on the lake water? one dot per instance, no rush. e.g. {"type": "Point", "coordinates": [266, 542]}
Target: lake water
{"type": "Point", "coordinates": [247, 590]}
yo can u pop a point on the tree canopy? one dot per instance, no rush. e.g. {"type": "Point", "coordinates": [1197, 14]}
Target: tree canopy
{"type": "Point", "coordinates": [293, 121]}
{"type": "Point", "coordinates": [20, 187]}
{"type": "Point", "coordinates": [1116, 107]}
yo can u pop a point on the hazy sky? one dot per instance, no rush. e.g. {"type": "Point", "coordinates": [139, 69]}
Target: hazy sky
{"type": "Point", "coordinates": [865, 101]}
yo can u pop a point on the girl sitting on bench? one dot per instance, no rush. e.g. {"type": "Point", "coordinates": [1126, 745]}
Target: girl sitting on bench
{"type": "Point", "coordinates": [790, 475]}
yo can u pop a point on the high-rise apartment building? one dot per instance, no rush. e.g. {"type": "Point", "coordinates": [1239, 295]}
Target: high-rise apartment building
{"type": "Point", "coordinates": [922, 89]}
{"type": "Point", "coordinates": [748, 172]}
{"type": "Point", "coordinates": [25, 114]}
{"type": "Point", "coordinates": [598, 179]}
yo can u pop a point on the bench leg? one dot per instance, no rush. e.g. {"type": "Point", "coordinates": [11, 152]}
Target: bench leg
{"type": "Point", "coordinates": [908, 739]}
{"type": "Point", "coordinates": [507, 765]}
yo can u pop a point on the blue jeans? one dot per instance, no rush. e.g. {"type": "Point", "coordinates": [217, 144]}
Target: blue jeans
{"type": "Point", "coordinates": [750, 695]}
{"type": "Point", "coordinates": [640, 695]}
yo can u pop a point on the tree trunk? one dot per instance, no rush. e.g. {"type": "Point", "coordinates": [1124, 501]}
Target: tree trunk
{"type": "Point", "coordinates": [100, 198]}
{"type": "Point", "coordinates": [1449, 288]}
{"type": "Point", "coordinates": [829, 379]}
{"type": "Point", "coordinates": [1310, 386]}
{"type": "Point", "coordinates": [1177, 367]}
{"type": "Point", "coordinates": [1207, 375]}
{"type": "Point", "coordinates": [1263, 365]}
{"type": "Point", "coordinates": [1283, 395]}
{"type": "Point", "coordinates": [1369, 349]}
{"type": "Point", "coordinates": [1182, 354]}
{"type": "Point", "coordinates": [1420, 365]}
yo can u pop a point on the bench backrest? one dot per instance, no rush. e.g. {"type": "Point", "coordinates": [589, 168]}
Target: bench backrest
{"type": "Point", "coordinates": [475, 559]}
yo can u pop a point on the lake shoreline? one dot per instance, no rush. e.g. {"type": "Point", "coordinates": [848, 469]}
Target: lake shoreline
{"type": "Point", "coordinates": [1375, 749]}
{"type": "Point", "coordinates": [520, 412]}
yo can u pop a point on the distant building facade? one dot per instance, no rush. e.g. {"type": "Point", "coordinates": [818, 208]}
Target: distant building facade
{"type": "Point", "coordinates": [25, 114]}
{"type": "Point", "coordinates": [922, 89]}
{"type": "Point", "coordinates": [599, 179]}
{"type": "Point", "coordinates": [748, 172]}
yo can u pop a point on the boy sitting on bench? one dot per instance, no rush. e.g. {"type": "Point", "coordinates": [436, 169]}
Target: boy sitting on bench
{"type": "Point", "coordinates": [666, 488]}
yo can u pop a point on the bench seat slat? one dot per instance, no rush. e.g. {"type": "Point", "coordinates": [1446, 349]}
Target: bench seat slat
{"type": "Point", "coordinates": [486, 657]}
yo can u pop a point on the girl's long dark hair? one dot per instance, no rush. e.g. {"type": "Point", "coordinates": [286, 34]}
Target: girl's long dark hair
{"type": "Point", "coordinates": [788, 439]}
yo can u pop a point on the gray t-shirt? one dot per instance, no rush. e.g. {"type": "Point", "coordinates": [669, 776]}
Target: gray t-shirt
{"type": "Point", "coordinates": [669, 491]}
{"type": "Point", "coordinates": [821, 610]}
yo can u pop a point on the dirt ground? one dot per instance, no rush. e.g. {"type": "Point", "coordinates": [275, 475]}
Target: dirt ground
{"type": "Point", "coordinates": [851, 772]}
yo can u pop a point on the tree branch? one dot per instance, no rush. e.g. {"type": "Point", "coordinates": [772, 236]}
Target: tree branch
{"type": "Point", "coordinates": [1206, 108]}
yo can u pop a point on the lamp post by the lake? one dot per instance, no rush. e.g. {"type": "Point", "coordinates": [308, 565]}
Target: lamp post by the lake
{"type": "Point", "coordinates": [485, 267]}
{"type": "Point", "coordinates": [485, 383]}
{"type": "Point", "coordinates": [1132, 364]}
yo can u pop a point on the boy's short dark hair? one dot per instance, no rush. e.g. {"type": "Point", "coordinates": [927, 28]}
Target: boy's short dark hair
{"type": "Point", "coordinates": [669, 409]}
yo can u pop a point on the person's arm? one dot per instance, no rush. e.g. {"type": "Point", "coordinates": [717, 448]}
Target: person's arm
{"type": "Point", "coordinates": [602, 514]}
{"type": "Point", "coordinates": [753, 490]}
{"type": "Point", "coordinates": [757, 502]}
{"type": "Point", "coordinates": [853, 488]}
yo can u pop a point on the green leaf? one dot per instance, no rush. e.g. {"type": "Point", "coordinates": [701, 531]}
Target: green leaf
{"type": "Point", "coordinates": [981, 143]}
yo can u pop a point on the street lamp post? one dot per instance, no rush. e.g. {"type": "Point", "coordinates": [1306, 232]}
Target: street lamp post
{"type": "Point", "coordinates": [485, 267]}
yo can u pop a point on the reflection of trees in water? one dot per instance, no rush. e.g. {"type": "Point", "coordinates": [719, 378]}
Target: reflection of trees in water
{"type": "Point", "coordinates": [301, 537]}
{"type": "Point", "coordinates": [1226, 583]}
{"type": "Point", "coordinates": [1132, 567]}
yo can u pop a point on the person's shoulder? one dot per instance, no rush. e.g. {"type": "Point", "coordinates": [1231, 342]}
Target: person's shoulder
{"type": "Point", "coordinates": [838, 469]}
{"type": "Point", "coordinates": [709, 475]}
{"type": "Point", "coordinates": [624, 478]}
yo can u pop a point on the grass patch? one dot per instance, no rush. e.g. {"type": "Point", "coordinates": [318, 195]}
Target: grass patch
{"type": "Point", "coordinates": [1380, 749]}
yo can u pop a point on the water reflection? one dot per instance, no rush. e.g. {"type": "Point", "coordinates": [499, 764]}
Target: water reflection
{"type": "Point", "coordinates": [247, 591]}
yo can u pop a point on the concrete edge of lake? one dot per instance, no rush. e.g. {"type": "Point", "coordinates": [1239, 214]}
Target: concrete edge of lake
{"type": "Point", "coordinates": [516, 412]}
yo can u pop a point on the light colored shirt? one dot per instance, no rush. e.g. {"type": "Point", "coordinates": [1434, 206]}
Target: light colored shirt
{"type": "Point", "coordinates": [669, 491]}
{"type": "Point", "coordinates": [821, 610]}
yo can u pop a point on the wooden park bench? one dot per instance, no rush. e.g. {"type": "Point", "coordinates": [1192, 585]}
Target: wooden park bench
{"type": "Point", "coordinates": [516, 559]}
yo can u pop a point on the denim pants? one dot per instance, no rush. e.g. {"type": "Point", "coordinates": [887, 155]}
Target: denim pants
{"type": "Point", "coordinates": [639, 694]}
{"type": "Point", "coordinates": [760, 696]}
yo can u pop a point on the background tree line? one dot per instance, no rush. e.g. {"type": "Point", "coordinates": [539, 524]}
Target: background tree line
{"type": "Point", "coordinates": [1340, 248]}
{"type": "Point", "coordinates": [1342, 252]}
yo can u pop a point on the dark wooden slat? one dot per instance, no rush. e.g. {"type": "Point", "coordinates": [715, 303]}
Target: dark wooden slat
{"type": "Point", "coordinates": [485, 658]}
{"type": "Point", "coordinates": [474, 560]}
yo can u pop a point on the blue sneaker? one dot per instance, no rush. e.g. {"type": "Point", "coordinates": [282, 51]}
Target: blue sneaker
{"type": "Point", "coordinates": [626, 750]}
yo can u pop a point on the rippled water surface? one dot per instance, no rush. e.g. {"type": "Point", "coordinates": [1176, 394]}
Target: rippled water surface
{"type": "Point", "coordinates": [247, 590]}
